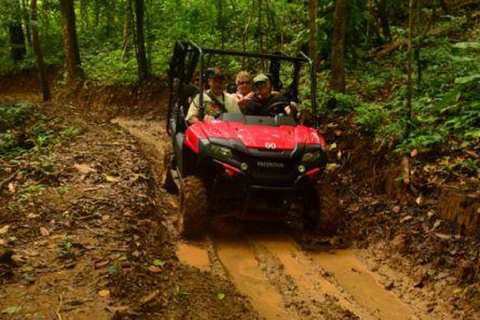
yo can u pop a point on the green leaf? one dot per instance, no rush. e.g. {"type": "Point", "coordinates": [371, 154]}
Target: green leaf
{"type": "Point", "coordinates": [159, 263]}
{"type": "Point", "coordinates": [467, 45]}
{"type": "Point", "coordinates": [221, 296]}
{"type": "Point", "coordinates": [11, 310]}
{"type": "Point", "coordinates": [463, 80]}
{"type": "Point", "coordinates": [112, 269]}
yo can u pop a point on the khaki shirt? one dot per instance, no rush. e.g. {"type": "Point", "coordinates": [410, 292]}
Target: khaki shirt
{"type": "Point", "coordinates": [211, 110]}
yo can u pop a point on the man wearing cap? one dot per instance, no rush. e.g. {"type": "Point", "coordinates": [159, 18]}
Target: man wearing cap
{"type": "Point", "coordinates": [215, 100]}
{"type": "Point", "coordinates": [264, 98]}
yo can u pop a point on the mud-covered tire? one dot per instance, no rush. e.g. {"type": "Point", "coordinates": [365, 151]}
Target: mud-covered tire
{"type": "Point", "coordinates": [322, 212]}
{"type": "Point", "coordinates": [192, 222]}
{"type": "Point", "coordinates": [167, 179]}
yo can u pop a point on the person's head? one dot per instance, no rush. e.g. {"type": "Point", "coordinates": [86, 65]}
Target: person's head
{"type": "Point", "coordinates": [216, 80]}
{"type": "Point", "coordinates": [244, 82]}
{"type": "Point", "coordinates": [262, 85]}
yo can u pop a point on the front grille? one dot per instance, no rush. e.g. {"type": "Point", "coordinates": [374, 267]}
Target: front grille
{"type": "Point", "coordinates": [269, 170]}
{"type": "Point", "coordinates": [265, 167]}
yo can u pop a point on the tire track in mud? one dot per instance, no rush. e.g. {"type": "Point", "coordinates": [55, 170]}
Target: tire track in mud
{"type": "Point", "coordinates": [284, 282]}
{"type": "Point", "coordinates": [281, 280]}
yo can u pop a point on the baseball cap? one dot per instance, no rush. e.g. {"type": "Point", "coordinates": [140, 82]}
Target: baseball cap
{"type": "Point", "coordinates": [260, 78]}
{"type": "Point", "coordinates": [215, 74]}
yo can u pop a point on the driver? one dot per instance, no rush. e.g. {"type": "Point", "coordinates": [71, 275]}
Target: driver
{"type": "Point", "coordinates": [215, 100]}
{"type": "Point", "coordinates": [264, 99]}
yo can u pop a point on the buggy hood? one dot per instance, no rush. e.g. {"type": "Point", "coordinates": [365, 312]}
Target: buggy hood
{"type": "Point", "coordinates": [282, 137]}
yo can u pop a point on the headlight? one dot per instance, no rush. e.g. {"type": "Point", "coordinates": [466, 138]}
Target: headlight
{"type": "Point", "coordinates": [310, 157]}
{"type": "Point", "coordinates": [220, 151]}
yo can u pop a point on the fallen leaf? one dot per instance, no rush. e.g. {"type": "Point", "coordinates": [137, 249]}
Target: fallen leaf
{"type": "Point", "coordinates": [473, 154]}
{"type": "Point", "coordinates": [28, 269]}
{"type": "Point", "coordinates": [3, 242]}
{"type": "Point", "coordinates": [332, 166]}
{"type": "Point", "coordinates": [413, 153]}
{"type": "Point", "coordinates": [11, 310]}
{"type": "Point", "coordinates": [154, 269]}
{"type": "Point", "coordinates": [11, 187]}
{"type": "Point", "coordinates": [44, 231]}
{"type": "Point", "coordinates": [339, 155]}
{"type": "Point", "coordinates": [221, 296]}
{"type": "Point", "coordinates": [420, 200]}
{"type": "Point", "coordinates": [102, 264]}
{"type": "Point", "coordinates": [442, 236]}
{"type": "Point", "coordinates": [84, 168]}
{"type": "Point", "coordinates": [105, 293]}
{"type": "Point", "coordinates": [338, 133]}
{"type": "Point", "coordinates": [105, 217]}
{"type": "Point", "coordinates": [149, 298]}
{"type": "Point", "coordinates": [407, 218]}
{"type": "Point", "coordinates": [111, 179]}
{"type": "Point", "coordinates": [118, 309]}
{"type": "Point", "coordinates": [333, 146]}
{"type": "Point", "coordinates": [396, 209]}
{"type": "Point", "coordinates": [457, 290]}
{"type": "Point", "coordinates": [4, 229]}
{"type": "Point", "coordinates": [33, 216]}
{"type": "Point", "coordinates": [173, 203]}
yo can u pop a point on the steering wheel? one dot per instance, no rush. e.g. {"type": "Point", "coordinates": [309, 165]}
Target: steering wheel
{"type": "Point", "coordinates": [277, 108]}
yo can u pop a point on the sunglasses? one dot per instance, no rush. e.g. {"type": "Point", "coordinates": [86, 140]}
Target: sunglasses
{"type": "Point", "coordinates": [259, 83]}
{"type": "Point", "coordinates": [240, 83]}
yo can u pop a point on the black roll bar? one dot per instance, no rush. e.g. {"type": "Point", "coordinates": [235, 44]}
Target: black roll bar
{"type": "Point", "coordinates": [197, 54]}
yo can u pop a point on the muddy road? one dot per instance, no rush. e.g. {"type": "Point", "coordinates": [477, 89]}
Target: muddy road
{"type": "Point", "coordinates": [280, 276]}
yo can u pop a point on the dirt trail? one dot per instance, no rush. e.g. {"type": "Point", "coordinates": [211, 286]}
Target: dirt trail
{"type": "Point", "coordinates": [283, 281]}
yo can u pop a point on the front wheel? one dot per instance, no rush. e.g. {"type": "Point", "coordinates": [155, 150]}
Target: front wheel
{"type": "Point", "coordinates": [193, 207]}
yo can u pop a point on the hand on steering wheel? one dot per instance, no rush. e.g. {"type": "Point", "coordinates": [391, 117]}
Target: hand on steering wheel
{"type": "Point", "coordinates": [277, 108]}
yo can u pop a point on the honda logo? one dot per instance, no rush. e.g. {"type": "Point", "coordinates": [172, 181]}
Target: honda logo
{"type": "Point", "coordinates": [270, 145]}
{"type": "Point", "coordinates": [268, 164]}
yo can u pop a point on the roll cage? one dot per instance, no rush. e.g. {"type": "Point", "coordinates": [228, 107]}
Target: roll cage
{"type": "Point", "coordinates": [189, 58]}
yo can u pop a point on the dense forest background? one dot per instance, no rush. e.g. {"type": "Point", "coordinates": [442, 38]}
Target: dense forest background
{"type": "Point", "coordinates": [407, 72]}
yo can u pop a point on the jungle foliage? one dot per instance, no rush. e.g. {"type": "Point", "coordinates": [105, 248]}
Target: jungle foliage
{"type": "Point", "coordinates": [444, 115]}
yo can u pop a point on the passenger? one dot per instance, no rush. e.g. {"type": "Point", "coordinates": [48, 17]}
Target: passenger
{"type": "Point", "coordinates": [215, 100]}
{"type": "Point", "coordinates": [265, 102]}
{"type": "Point", "coordinates": [244, 89]}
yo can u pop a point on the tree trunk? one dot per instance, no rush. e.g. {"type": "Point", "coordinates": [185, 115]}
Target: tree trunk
{"type": "Point", "coordinates": [312, 26]}
{"type": "Point", "coordinates": [84, 13]}
{"type": "Point", "coordinates": [260, 26]}
{"type": "Point", "coordinates": [17, 39]}
{"type": "Point", "coordinates": [37, 51]}
{"type": "Point", "coordinates": [72, 52]}
{"type": "Point", "coordinates": [444, 7]}
{"type": "Point", "coordinates": [97, 14]}
{"type": "Point", "coordinates": [382, 13]}
{"type": "Point", "coordinates": [220, 24]}
{"type": "Point", "coordinates": [127, 28]}
{"type": "Point", "coordinates": [26, 19]}
{"type": "Point", "coordinates": [337, 82]}
{"type": "Point", "coordinates": [140, 41]}
{"type": "Point", "coordinates": [408, 115]}
{"type": "Point", "coordinates": [409, 70]}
